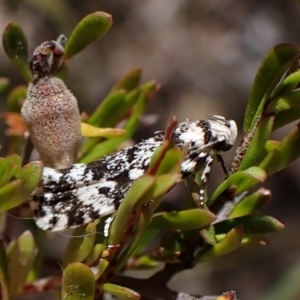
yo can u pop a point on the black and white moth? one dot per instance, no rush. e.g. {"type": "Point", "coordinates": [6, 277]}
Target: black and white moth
{"type": "Point", "coordinates": [72, 197]}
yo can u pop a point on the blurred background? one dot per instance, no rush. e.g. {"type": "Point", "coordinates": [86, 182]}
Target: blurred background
{"type": "Point", "coordinates": [205, 54]}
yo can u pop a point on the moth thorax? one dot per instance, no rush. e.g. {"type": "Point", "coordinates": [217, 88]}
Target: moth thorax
{"type": "Point", "coordinates": [224, 132]}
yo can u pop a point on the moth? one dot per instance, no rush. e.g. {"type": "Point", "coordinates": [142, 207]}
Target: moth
{"type": "Point", "coordinates": [78, 195]}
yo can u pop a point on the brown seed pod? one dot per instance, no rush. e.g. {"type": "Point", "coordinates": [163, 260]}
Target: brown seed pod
{"type": "Point", "coordinates": [51, 110]}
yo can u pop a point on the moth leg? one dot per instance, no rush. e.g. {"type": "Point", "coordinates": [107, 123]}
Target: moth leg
{"type": "Point", "coordinates": [221, 161]}
{"type": "Point", "coordinates": [204, 178]}
{"type": "Point", "coordinates": [107, 224]}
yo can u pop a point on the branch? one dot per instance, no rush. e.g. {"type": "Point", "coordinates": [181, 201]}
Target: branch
{"type": "Point", "coordinates": [150, 290]}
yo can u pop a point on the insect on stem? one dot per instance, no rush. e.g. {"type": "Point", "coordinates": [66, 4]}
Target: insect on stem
{"type": "Point", "coordinates": [80, 194]}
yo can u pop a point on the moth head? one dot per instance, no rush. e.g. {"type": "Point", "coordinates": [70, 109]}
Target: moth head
{"type": "Point", "coordinates": [233, 130]}
{"type": "Point", "coordinates": [226, 128]}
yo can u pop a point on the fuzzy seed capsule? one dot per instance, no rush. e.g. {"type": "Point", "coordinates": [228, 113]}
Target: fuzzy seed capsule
{"type": "Point", "coordinates": [52, 115]}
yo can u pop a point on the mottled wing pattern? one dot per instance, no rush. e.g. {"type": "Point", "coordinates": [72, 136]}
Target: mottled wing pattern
{"type": "Point", "coordinates": [80, 194]}
{"type": "Point", "coordinates": [84, 192]}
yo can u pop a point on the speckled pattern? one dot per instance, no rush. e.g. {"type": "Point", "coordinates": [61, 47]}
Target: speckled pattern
{"type": "Point", "coordinates": [80, 194]}
{"type": "Point", "coordinates": [52, 116]}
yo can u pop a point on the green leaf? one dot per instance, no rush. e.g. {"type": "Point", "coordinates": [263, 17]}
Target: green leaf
{"type": "Point", "coordinates": [242, 180]}
{"type": "Point", "coordinates": [271, 145]}
{"type": "Point", "coordinates": [15, 192]}
{"type": "Point", "coordinates": [30, 176]}
{"type": "Point", "coordinates": [158, 155]}
{"type": "Point", "coordinates": [40, 238]}
{"type": "Point", "coordinates": [284, 102]}
{"type": "Point", "coordinates": [80, 244]}
{"type": "Point", "coordinates": [15, 45]}
{"type": "Point", "coordinates": [122, 293]}
{"type": "Point", "coordinates": [253, 176]}
{"type": "Point", "coordinates": [131, 201]}
{"type": "Point", "coordinates": [9, 195]}
{"type": "Point", "coordinates": [257, 145]}
{"type": "Point", "coordinates": [4, 276]}
{"type": "Point", "coordinates": [94, 254]}
{"type": "Point", "coordinates": [286, 117]}
{"type": "Point", "coordinates": [10, 247]}
{"type": "Point", "coordinates": [78, 282]}
{"type": "Point", "coordinates": [142, 224]}
{"type": "Point", "coordinates": [166, 158]}
{"type": "Point", "coordinates": [251, 224]}
{"type": "Point", "coordinates": [284, 154]}
{"type": "Point", "coordinates": [104, 116]}
{"type": "Point", "coordinates": [103, 264]}
{"type": "Point", "coordinates": [117, 104]}
{"type": "Point", "coordinates": [163, 184]}
{"type": "Point", "coordinates": [129, 81]}
{"type": "Point", "coordinates": [16, 184]}
{"type": "Point", "coordinates": [231, 242]}
{"type": "Point", "coordinates": [115, 107]}
{"type": "Point", "coordinates": [208, 234]}
{"type": "Point", "coordinates": [268, 76]}
{"type": "Point", "coordinates": [108, 146]}
{"type": "Point", "coordinates": [182, 220]}
{"type": "Point", "coordinates": [171, 162]}
{"type": "Point", "coordinates": [287, 85]}
{"type": "Point", "coordinates": [9, 168]}
{"type": "Point", "coordinates": [20, 262]}
{"type": "Point", "coordinates": [88, 130]}
{"type": "Point", "coordinates": [88, 30]}
{"type": "Point", "coordinates": [251, 203]}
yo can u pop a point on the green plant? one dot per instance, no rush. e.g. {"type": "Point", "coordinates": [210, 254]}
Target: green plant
{"type": "Point", "coordinates": [94, 264]}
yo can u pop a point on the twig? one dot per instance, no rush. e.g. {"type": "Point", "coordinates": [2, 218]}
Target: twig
{"type": "Point", "coordinates": [240, 152]}
{"type": "Point", "coordinates": [150, 290]}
